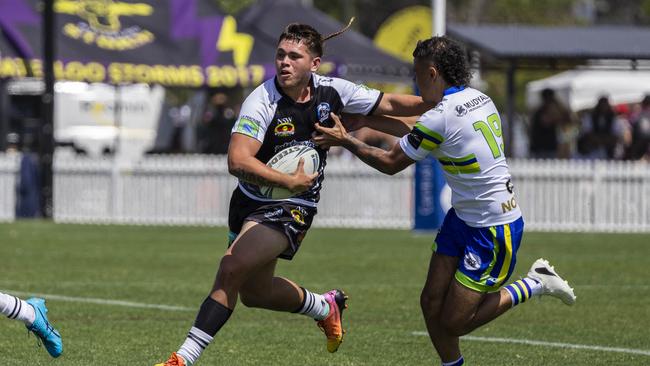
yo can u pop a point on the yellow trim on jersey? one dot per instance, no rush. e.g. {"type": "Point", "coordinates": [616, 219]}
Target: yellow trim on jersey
{"type": "Point", "coordinates": [433, 135]}
{"type": "Point", "coordinates": [464, 165]}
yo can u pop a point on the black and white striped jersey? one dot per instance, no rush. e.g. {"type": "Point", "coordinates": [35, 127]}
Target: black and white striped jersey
{"type": "Point", "coordinates": [277, 121]}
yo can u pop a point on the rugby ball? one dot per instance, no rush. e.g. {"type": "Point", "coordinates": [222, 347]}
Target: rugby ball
{"type": "Point", "coordinates": [286, 161]}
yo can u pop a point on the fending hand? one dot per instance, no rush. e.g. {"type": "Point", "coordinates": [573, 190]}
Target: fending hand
{"type": "Point", "coordinates": [326, 137]}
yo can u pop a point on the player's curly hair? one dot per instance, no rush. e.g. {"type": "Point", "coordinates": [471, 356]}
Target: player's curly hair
{"type": "Point", "coordinates": [448, 57]}
{"type": "Point", "coordinates": [309, 36]}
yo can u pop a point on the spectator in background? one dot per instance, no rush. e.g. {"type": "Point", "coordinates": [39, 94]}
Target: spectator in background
{"type": "Point", "coordinates": [549, 122]}
{"type": "Point", "coordinates": [640, 146]}
{"type": "Point", "coordinates": [214, 131]}
{"type": "Point", "coordinates": [600, 132]}
{"type": "Point", "coordinates": [623, 126]}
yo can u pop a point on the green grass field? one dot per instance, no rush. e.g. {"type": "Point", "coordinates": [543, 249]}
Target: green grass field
{"type": "Point", "coordinates": [381, 270]}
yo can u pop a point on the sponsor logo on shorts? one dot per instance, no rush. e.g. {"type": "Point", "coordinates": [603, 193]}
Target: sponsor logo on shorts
{"type": "Point", "coordinates": [323, 112]}
{"type": "Point", "coordinates": [472, 261]}
{"type": "Point", "coordinates": [298, 215]}
{"type": "Point", "coordinates": [274, 213]}
{"type": "Point", "coordinates": [285, 127]}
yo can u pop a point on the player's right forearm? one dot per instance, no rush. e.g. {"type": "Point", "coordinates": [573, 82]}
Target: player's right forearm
{"type": "Point", "coordinates": [396, 126]}
{"type": "Point", "coordinates": [373, 156]}
{"type": "Point", "coordinates": [257, 173]}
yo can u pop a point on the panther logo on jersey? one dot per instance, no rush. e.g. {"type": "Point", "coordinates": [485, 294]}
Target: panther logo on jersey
{"type": "Point", "coordinates": [460, 110]}
{"type": "Point", "coordinates": [323, 112]}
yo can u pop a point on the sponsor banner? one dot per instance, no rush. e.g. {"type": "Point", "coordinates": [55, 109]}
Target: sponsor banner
{"type": "Point", "coordinates": [172, 43]}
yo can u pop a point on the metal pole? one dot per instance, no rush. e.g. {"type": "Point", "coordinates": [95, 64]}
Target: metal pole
{"type": "Point", "coordinates": [510, 108]}
{"type": "Point", "coordinates": [116, 203]}
{"type": "Point", "coordinates": [46, 145]}
{"type": "Point", "coordinates": [439, 21]}
{"type": "Point", "coordinates": [4, 116]}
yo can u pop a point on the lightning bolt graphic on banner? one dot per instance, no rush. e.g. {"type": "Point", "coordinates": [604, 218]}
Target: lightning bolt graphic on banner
{"type": "Point", "coordinates": [215, 33]}
{"type": "Point", "coordinates": [240, 44]}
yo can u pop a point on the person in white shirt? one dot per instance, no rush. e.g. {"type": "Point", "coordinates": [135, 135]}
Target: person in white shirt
{"type": "Point", "coordinates": [475, 250]}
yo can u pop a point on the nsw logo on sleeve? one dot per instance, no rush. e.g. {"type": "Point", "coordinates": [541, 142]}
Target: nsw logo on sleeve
{"type": "Point", "coordinates": [323, 112]}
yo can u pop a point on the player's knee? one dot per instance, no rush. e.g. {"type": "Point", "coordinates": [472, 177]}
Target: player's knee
{"type": "Point", "coordinates": [430, 304]}
{"type": "Point", "coordinates": [454, 326]}
{"type": "Point", "coordinates": [232, 271]}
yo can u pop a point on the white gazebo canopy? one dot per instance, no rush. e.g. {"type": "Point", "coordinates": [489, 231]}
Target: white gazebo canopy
{"type": "Point", "coordinates": [580, 89]}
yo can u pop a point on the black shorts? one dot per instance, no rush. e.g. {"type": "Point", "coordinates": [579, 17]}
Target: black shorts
{"type": "Point", "coordinates": [289, 218]}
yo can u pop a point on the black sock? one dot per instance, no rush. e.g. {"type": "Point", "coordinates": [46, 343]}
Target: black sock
{"type": "Point", "coordinates": [212, 316]}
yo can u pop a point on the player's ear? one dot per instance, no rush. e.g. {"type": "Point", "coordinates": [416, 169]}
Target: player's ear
{"type": "Point", "coordinates": [433, 72]}
{"type": "Point", "coordinates": [315, 64]}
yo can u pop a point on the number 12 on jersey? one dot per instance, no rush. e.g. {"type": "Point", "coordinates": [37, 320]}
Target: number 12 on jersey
{"type": "Point", "coordinates": [491, 130]}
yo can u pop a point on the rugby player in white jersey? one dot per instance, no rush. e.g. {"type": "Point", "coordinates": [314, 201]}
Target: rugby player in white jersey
{"type": "Point", "coordinates": [278, 114]}
{"type": "Point", "coordinates": [475, 250]}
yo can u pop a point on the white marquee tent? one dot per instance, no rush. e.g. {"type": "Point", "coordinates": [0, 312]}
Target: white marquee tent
{"type": "Point", "coordinates": [580, 89]}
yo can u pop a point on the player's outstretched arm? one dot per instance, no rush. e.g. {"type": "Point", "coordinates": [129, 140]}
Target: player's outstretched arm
{"type": "Point", "coordinates": [387, 162]}
{"type": "Point", "coordinates": [395, 126]}
{"type": "Point", "coordinates": [402, 105]}
{"type": "Point", "coordinates": [243, 164]}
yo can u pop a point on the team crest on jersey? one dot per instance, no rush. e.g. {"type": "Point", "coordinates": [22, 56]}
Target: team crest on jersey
{"type": "Point", "coordinates": [460, 110]}
{"type": "Point", "coordinates": [439, 108]}
{"type": "Point", "coordinates": [323, 112]}
{"type": "Point", "coordinates": [285, 127]}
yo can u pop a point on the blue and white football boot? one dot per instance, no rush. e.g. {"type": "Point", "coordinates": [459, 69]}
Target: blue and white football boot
{"type": "Point", "coordinates": [43, 329]}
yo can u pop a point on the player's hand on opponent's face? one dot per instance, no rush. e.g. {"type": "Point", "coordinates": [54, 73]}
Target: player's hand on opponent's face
{"type": "Point", "coordinates": [300, 181]}
{"type": "Point", "coordinates": [326, 137]}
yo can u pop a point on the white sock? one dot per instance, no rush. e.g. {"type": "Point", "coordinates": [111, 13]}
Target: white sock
{"type": "Point", "coordinates": [195, 343]}
{"type": "Point", "coordinates": [314, 305]}
{"type": "Point", "coordinates": [535, 286]}
{"type": "Point", "coordinates": [15, 308]}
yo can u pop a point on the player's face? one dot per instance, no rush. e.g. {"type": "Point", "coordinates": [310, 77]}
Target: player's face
{"type": "Point", "coordinates": [425, 78]}
{"type": "Point", "coordinates": [294, 64]}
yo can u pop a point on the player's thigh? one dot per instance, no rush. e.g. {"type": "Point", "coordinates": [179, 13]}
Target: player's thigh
{"type": "Point", "coordinates": [257, 245]}
{"type": "Point", "coordinates": [441, 272]}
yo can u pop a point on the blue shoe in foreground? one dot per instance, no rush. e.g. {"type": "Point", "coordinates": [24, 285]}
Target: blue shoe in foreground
{"type": "Point", "coordinates": [43, 329]}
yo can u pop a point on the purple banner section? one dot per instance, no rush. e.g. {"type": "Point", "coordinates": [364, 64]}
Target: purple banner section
{"type": "Point", "coordinates": [185, 24]}
{"type": "Point", "coordinates": [13, 14]}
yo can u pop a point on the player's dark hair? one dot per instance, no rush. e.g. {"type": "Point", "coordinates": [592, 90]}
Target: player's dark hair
{"type": "Point", "coordinates": [306, 34]}
{"type": "Point", "coordinates": [448, 57]}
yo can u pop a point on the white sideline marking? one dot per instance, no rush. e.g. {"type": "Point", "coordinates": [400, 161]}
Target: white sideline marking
{"type": "Point", "coordinates": [548, 344]}
{"type": "Point", "coordinates": [91, 300]}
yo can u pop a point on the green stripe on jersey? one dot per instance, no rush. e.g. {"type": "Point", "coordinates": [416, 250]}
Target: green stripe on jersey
{"type": "Point", "coordinates": [434, 135]}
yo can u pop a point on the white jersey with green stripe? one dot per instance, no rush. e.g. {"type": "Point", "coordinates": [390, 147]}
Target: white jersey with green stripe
{"type": "Point", "coordinates": [464, 133]}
